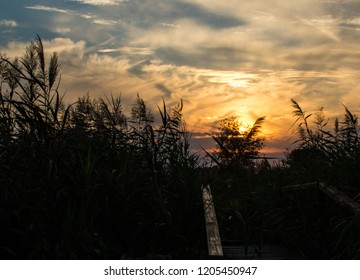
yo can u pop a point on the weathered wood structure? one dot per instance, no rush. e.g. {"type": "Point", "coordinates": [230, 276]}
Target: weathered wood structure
{"type": "Point", "coordinates": [220, 249]}
{"type": "Point", "coordinates": [212, 229]}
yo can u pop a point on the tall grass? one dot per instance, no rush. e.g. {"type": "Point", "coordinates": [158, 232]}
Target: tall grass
{"type": "Point", "coordinates": [327, 154]}
{"type": "Point", "coordinates": [253, 207]}
{"type": "Point", "coordinates": [85, 181]}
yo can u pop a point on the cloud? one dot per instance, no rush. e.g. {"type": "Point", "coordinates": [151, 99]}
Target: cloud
{"type": "Point", "coordinates": [106, 21]}
{"type": "Point", "coordinates": [325, 24]}
{"type": "Point", "coordinates": [220, 57]}
{"type": "Point", "coordinates": [138, 51]}
{"type": "Point", "coordinates": [8, 23]}
{"type": "Point", "coordinates": [170, 25]}
{"type": "Point", "coordinates": [351, 23]}
{"type": "Point", "coordinates": [49, 9]}
{"type": "Point", "coordinates": [95, 19]}
{"type": "Point", "coordinates": [62, 11]}
{"type": "Point", "coordinates": [62, 30]}
{"type": "Point", "coordinates": [274, 36]}
{"type": "Point", "coordinates": [101, 2]}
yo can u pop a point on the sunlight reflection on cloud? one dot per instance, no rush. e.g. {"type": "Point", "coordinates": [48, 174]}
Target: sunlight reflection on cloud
{"type": "Point", "coordinates": [233, 79]}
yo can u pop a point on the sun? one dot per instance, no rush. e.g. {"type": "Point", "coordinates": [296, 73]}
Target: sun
{"type": "Point", "coordinates": [243, 126]}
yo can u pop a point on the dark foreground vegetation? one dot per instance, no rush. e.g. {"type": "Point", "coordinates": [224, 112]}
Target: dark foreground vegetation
{"type": "Point", "coordinates": [85, 181]}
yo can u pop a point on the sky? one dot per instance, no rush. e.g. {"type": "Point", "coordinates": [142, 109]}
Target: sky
{"type": "Point", "coordinates": [222, 58]}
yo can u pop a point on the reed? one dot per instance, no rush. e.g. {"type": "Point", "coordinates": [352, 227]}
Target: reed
{"type": "Point", "coordinates": [87, 181]}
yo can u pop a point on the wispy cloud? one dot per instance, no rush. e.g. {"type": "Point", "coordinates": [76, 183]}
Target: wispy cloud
{"type": "Point", "coordinates": [106, 21]}
{"type": "Point", "coordinates": [8, 23]}
{"type": "Point", "coordinates": [170, 25]}
{"type": "Point", "coordinates": [129, 51]}
{"type": "Point", "coordinates": [62, 30]}
{"type": "Point", "coordinates": [351, 23]}
{"type": "Point", "coordinates": [325, 24]}
{"type": "Point", "coordinates": [101, 2]}
{"type": "Point", "coordinates": [95, 19]}
{"type": "Point", "coordinates": [62, 11]}
{"type": "Point", "coordinates": [49, 9]}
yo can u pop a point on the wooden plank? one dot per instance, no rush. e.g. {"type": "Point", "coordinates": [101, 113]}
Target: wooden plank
{"type": "Point", "coordinates": [212, 229]}
{"type": "Point", "coordinates": [340, 198]}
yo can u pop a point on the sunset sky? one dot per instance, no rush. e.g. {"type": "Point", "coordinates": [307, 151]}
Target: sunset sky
{"type": "Point", "coordinates": [228, 57]}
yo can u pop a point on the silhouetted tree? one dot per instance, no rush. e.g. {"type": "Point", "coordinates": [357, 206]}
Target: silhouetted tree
{"type": "Point", "coordinates": [236, 148]}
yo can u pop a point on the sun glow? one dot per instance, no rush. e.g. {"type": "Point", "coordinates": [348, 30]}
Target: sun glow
{"type": "Point", "coordinates": [243, 126]}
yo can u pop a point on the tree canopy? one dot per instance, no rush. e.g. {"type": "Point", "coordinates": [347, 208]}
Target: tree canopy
{"type": "Point", "coordinates": [236, 147]}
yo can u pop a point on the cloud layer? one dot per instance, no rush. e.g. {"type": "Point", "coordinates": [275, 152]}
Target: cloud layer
{"type": "Point", "coordinates": [220, 57]}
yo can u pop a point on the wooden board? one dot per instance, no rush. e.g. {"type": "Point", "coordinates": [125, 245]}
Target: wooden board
{"type": "Point", "coordinates": [212, 229]}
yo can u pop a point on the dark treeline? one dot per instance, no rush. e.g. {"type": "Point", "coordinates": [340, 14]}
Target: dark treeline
{"type": "Point", "coordinates": [86, 181]}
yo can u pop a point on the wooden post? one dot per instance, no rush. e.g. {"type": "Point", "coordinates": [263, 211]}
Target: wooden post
{"type": "Point", "coordinates": [212, 229]}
